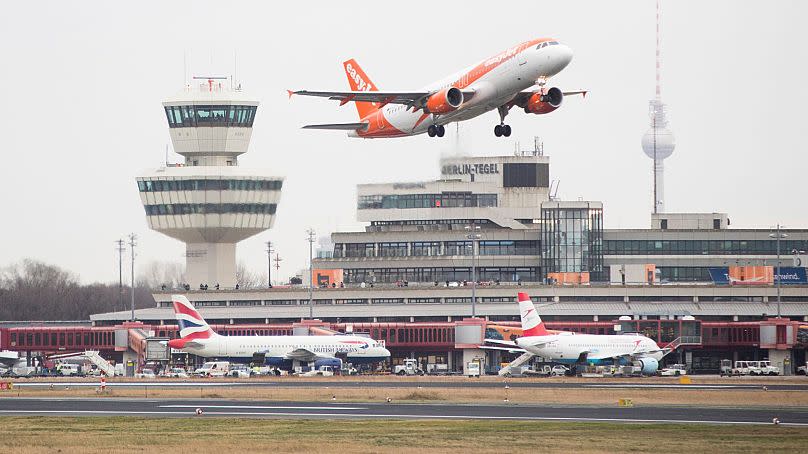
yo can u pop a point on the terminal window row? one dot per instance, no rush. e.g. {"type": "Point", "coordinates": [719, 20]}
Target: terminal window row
{"type": "Point", "coordinates": [193, 116]}
{"type": "Point", "coordinates": [209, 185]}
{"type": "Point", "coordinates": [436, 248]}
{"type": "Point", "coordinates": [440, 274]}
{"type": "Point", "coordinates": [443, 200]}
{"type": "Point", "coordinates": [210, 208]}
{"type": "Point", "coordinates": [701, 247]}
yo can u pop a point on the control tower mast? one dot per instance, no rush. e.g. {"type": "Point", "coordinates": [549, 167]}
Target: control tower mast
{"type": "Point", "coordinates": [658, 142]}
{"type": "Point", "coordinates": [208, 202]}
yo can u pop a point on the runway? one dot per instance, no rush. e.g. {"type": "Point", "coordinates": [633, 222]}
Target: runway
{"type": "Point", "coordinates": [392, 383]}
{"type": "Point", "coordinates": [350, 410]}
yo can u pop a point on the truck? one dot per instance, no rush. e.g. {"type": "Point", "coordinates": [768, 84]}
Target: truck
{"type": "Point", "coordinates": [213, 369]}
{"type": "Point", "coordinates": [410, 367]}
{"type": "Point", "coordinates": [322, 371]}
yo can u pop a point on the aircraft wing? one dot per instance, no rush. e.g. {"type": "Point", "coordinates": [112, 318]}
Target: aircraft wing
{"type": "Point", "coordinates": [339, 126]}
{"type": "Point", "coordinates": [506, 349]}
{"type": "Point", "coordinates": [415, 99]}
{"type": "Point", "coordinates": [386, 97]}
{"type": "Point", "coordinates": [501, 342]}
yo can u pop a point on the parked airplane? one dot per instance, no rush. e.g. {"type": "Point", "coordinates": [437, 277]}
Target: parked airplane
{"type": "Point", "coordinates": [516, 76]}
{"type": "Point", "coordinates": [198, 338]}
{"type": "Point", "coordinates": [568, 347]}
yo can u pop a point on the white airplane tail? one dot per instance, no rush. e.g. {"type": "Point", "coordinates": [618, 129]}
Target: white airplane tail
{"type": "Point", "coordinates": [531, 322]}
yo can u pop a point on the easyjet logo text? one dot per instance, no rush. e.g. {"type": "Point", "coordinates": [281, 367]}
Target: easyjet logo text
{"type": "Point", "coordinates": [361, 85]}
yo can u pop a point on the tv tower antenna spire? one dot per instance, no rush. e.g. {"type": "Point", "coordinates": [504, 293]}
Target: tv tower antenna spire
{"type": "Point", "coordinates": [658, 142]}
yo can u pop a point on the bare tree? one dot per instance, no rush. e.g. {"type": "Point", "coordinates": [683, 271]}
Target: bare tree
{"type": "Point", "coordinates": [156, 274]}
{"type": "Point", "coordinates": [247, 279]}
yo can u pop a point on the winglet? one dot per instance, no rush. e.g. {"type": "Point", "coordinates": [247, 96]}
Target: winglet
{"type": "Point", "coordinates": [290, 93]}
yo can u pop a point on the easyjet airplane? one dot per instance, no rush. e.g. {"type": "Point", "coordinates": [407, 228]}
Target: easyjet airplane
{"type": "Point", "coordinates": [517, 76]}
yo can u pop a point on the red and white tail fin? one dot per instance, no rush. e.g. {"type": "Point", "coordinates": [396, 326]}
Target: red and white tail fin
{"type": "Point", "coordinates": [191, 324]}
{"type": "Point", "coordinates": [531, 322]}
{"type": "Point", "coordinates": [359, 81]}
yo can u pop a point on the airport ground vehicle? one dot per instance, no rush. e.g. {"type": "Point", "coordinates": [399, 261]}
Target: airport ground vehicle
{"type": "Point", "coordinates": [473, 369]}
{"type": "Point", "coordinates": [146, 373]}
{"type": "Point", "coordinates": [755, 368]}
{"type": "Point", "coordinates": [766, 368]}
{"type": "Point", "coordinates": [803, 370]}
{"type": "Point", "coordinates": [239, 371]}
{"type": "Point", "coordinates": [559, 371]}
{"type": "Point", "coordinates": [176, 372]}
{"type": "Point", "coordinates": [322, 371]}
{"type": "Point", "coordinates": [410, 367]}
{"type": "Point", "coordinates": [68, 369]}
{"type": "Point", "coordinates": [674, 370]}
{"type": "Point", "coordinates": [437, 369]}
{"type": "Point", "coordinates": [726, 367]}
{"type": "Point", "coordinates": [213, 369]}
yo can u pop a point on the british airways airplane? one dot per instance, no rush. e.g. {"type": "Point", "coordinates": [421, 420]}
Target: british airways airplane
{"type": "Point", "coordinates": [573, 348]}
{"type": "Point", "coordinates": [515, 77]}
{"type": "Point", "coordinates": [197, 337]}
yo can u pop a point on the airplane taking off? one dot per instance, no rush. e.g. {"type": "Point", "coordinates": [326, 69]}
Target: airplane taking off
{"type": "Point", "coordinates": [568, 347]}
{"type": "Point", "coordinates": [516, 76]}
{"type": "Point", "coordinates": [198, 338]}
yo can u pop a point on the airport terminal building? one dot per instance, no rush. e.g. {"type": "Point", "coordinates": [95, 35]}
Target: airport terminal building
{"type": "Point", "coordinates": [408, 278]}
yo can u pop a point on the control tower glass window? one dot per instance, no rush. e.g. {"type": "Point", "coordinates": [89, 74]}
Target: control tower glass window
{"type": "Point", "coordinates": [200, 116]}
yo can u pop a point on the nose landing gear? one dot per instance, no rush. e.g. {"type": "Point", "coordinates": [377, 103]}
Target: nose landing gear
{"type": "Point", "coordinates": [435, 130]}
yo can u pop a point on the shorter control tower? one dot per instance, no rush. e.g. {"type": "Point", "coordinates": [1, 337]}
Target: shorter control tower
{"type": "Point", "coordinates": [208, 202]}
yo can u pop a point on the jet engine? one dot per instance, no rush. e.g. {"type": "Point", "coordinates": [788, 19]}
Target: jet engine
{"type": "Point", "coordinates": [649, 365]}
{"type": "Point", "coordinates": [539, 103]}
{"type": "Point", "coordinates": [336, 363]}
{"type": "Point", "coordinates": [444, 101]}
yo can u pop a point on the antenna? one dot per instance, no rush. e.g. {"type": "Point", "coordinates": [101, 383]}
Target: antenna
{"type": "Point", "coordinates": [538, 146]}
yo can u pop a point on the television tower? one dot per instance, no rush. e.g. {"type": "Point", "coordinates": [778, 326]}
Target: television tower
{"type": "Point", "coordinates": [658, 142]}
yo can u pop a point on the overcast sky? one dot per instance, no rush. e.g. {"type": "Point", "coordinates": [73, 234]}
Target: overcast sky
{"type": "Point", "coordinates": [81, 85]}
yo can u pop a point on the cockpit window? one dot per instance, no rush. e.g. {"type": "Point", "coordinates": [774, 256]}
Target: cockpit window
{"type": "Point", "coordinates": [547, 43]}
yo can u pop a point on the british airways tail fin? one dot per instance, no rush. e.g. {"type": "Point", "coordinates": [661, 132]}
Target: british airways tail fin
{"type": "Point", "coordinates": [531, 322]}
{"type": "Point", "coordinates": [191, 324]}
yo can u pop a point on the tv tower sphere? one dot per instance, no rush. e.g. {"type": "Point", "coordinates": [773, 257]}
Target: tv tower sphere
{"type": "Point", "coordinates": [658, 141]}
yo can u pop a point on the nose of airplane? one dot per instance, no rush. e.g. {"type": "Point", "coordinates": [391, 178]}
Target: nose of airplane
{"type": "Point", "coordinates": [564, 55]}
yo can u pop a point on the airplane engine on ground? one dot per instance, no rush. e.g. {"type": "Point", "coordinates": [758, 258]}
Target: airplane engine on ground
{"type": "Point", "coordinates": [336, 363]}
{"type": "Point", "coordinates": [444, 101]}
{"type": "Point", "coordinates": [540, 103]}
{"type": "Point", "coordinates": [649, 365]}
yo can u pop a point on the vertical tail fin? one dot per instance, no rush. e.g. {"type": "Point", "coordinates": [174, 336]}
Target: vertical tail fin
{"type": "Point", "coordinates": [531, 322]}
{"type": "Point", "coordinates": [359, 81]}
{"type": "Point", "coordinates": [192, 325]}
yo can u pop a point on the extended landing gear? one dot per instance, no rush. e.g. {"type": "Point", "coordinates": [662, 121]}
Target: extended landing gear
{"type": "Point", "coordinates": [436, 130]}
{"type": "Point", "coordinates": [502, 129]}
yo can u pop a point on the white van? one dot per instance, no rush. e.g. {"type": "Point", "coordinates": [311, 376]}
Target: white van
{"type": "Point", "coordinates": [69, 369]}
{"type": "Point", "coordinates": [213, 369]}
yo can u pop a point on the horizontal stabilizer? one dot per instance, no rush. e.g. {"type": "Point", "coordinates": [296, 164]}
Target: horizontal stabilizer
{"type": "Point", "coordinates": [339, 126]}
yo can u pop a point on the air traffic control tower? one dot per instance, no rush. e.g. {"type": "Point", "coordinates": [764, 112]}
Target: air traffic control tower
{"type": "Point", "coordinates": [209, 202]}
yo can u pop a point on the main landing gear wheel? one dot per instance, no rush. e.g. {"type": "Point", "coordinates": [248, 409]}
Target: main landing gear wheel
{"type": "Point", "coordinates": [502, 130]}
{"type": "Point", "coordinates": [436, 130]}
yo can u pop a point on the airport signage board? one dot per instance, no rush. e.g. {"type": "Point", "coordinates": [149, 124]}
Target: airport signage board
{"type": "Point", "coordinates": [467, 169]}
{"type": "Point", "coordinates": [790, 275]}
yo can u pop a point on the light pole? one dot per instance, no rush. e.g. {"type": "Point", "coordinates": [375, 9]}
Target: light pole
{"type": "Point", "coordinates": [310, 239]}
{"type": "Point", "coordinates": [474, 236]}
{"type": "Point", "coordinates": [132, 244]}
{"type": "Point", "coordinates": [777, 235]}
{"type": "Point", "coordinates": [269, 263]}
{"type": "Point", "coordinates": [120, 273]}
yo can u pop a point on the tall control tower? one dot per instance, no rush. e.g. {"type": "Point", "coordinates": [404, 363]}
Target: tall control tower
{"type": "Point", "coordinates": [658, 143]}
{"type": "Point", "coordinates": [208, 202]}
